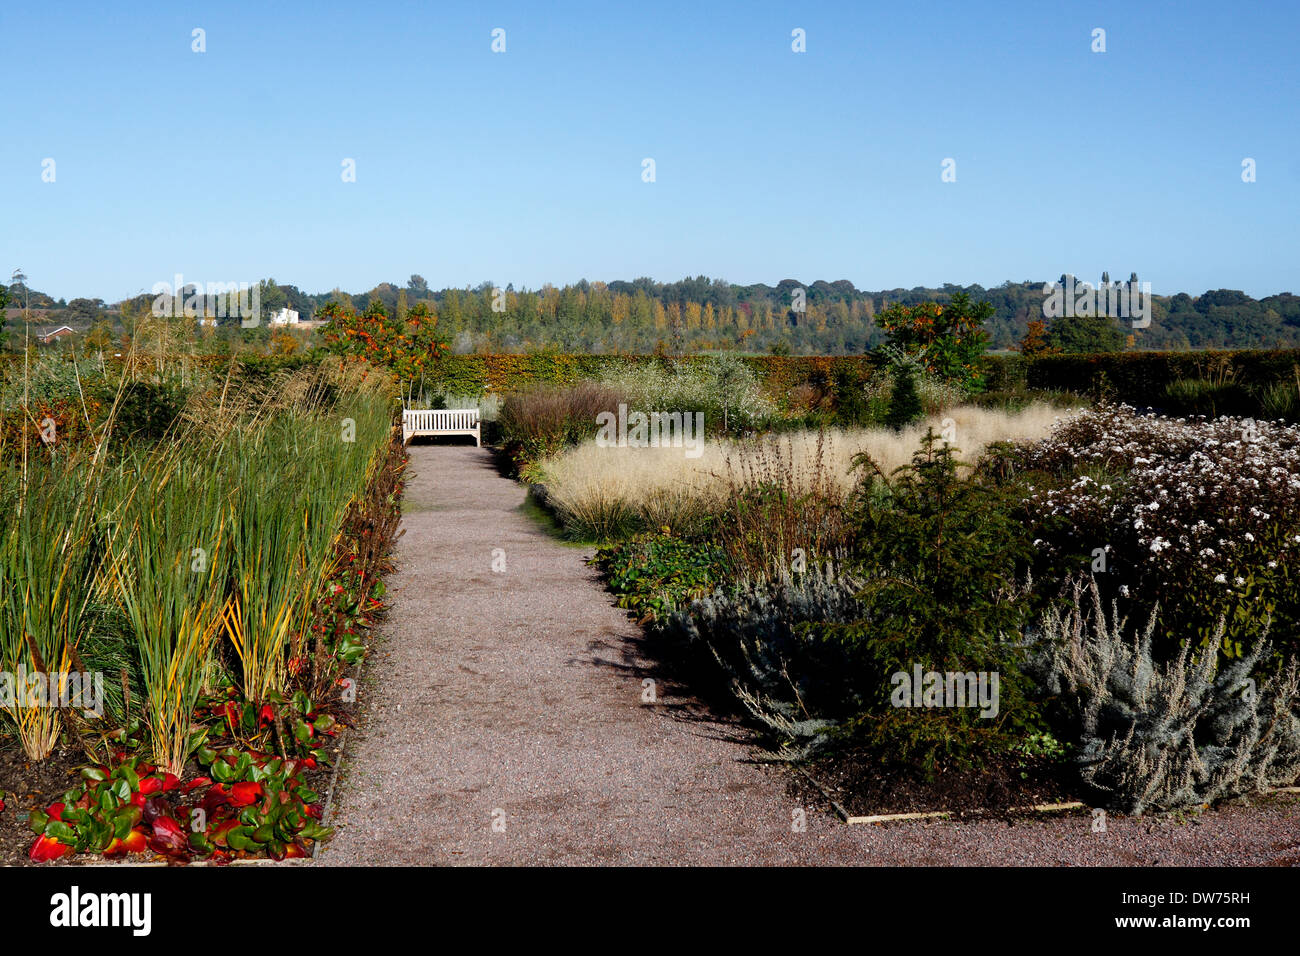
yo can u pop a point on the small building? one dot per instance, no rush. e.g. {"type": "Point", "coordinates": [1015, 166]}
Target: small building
{"type": "Point", "coordinates": [62, 332]}
{"type": "Point", "coordinates": [285, 316]}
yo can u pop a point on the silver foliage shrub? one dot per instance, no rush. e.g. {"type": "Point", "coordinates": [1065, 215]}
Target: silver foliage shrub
{"type": "Point", "coordinates": [1160, 736]}
{"type": "Point", "coordinates": [788, 682]}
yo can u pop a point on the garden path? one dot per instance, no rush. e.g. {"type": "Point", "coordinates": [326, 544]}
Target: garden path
{"type": "Point", "coordinates": [514, 698]}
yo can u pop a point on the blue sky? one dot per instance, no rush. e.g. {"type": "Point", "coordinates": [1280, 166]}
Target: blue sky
{"type": "Point", "coordinates": [525, 166]}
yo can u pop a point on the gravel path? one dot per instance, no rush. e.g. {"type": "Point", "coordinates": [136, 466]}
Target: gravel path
{"type": "Point", "coordinates": [503, 723]}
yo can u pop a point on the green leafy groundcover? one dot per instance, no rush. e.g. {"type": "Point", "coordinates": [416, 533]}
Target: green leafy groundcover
{"type": "Point", "coordinates": [652, 574]}
{"type": "Point", "coordinates": [253, 804]}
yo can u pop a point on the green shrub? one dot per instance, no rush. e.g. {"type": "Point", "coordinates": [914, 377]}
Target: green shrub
{"type": "Point", "coordinates": [1140, 378]}
{"type": "Point", "coordinates": [48, 380]}
{"type": "Point", "coordinates": [147, 410]}
{"type": "Point", "coordinates": [904, 402]}
{"type": "Point", "coordinates": [853, 399]}
{"type": "Point", "coordinates": [1201, 396]}
{"type": "Point", "coordinates": [939, 558]}
{"type": "Point", "coordinates": [1005, 373]}
{"type": "Point", "coordinates": [724, 388]}
{"type": "Point", "coordinates": [948, 340]}
{"type": "Point", "coordinates": [809, 647]}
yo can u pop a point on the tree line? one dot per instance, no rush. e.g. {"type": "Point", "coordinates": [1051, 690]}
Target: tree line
{"type": "Point", "coordinates": [703, 314]}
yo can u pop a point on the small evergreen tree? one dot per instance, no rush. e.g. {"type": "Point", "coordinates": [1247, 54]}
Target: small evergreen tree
{"type": "Point", "coordinates": [904, 402]}
{"type": "Point", "coordinates": [939, 555]}
{"type": "Point", "coordinates": [851, 406]}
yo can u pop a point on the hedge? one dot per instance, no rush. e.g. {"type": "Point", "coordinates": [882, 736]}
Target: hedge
{"type": "Point", "coordinates": [1139, 378]}
{"type": "Point", "coordinates": [474, 375]}
{"type": "Point", "coordinates": [1135, 377]}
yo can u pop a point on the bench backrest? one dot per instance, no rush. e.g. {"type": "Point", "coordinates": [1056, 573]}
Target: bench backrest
{"type": "Point", "coordinates": [440, 420]}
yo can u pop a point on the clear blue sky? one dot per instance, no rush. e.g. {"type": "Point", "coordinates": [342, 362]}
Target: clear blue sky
{"type": "Point", "coordinates": [525, 167]}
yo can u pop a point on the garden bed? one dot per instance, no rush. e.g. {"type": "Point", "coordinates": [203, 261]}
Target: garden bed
{"type": "Point", "coordinates": [34, 785]}
{"type": "Point", "coordinates": [1178, 636]}
{"type": "Point", "coordinates": [864, 786]}
{"type": "Point", "coordinates": [224, 666]}
{"type": "Point", "coordinates": [29, 784]}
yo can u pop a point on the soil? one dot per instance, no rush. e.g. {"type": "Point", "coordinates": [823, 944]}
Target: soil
{"type": "Point", "coordinates": [864, 786]}
{"type": "Point", "coordinates": [30, 785]}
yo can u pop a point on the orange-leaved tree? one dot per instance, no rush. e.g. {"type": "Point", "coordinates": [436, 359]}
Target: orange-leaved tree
{"type": "Point", "coordinates": [946, 340]}
{"type": "Point", "coordinates": [407, 346]}
{"type": "Point", "coordinates": [1035, 341]}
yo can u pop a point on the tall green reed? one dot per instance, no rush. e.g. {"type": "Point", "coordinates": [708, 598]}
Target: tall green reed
{"type": "Point", "coordinates": [170, 560]}
{"type": "Point", "coordinates": [226, 525]}
{"type": "Point", "coordinates": [294, 477]}
{"type": "Point", "coordinates": [49, 556]}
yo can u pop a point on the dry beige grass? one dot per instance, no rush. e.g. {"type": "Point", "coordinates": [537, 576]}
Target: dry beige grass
{"type": "Point", "coordinates": [972, 430]}
{"type": "Point", "coordinates": [599, 487]}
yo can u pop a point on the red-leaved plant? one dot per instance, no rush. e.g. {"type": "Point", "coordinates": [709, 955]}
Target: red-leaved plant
{"type": "Point", "coordinates": [252, 805]}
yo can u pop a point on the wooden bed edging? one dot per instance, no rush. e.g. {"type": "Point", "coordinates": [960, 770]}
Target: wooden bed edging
{"type": "Point", "coordinates": [941, 814]}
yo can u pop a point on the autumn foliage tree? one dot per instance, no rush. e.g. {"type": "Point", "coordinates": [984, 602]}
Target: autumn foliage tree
{"type": "Point", "coordinates": [947, 340]}
{"type": "Point", "coordinates": [407, 346]}
{"type": "Point", "coordinates": [1035, 341]}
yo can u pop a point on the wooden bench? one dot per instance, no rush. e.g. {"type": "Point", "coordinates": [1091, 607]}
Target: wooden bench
{"type": "Point", "coordinates": [430, 421]}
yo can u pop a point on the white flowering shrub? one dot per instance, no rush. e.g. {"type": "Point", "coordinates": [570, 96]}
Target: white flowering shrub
{"type": "Point", "coordinates": [1162, 736]}
{"type": "Point", "coordinates": [1201, 516]}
